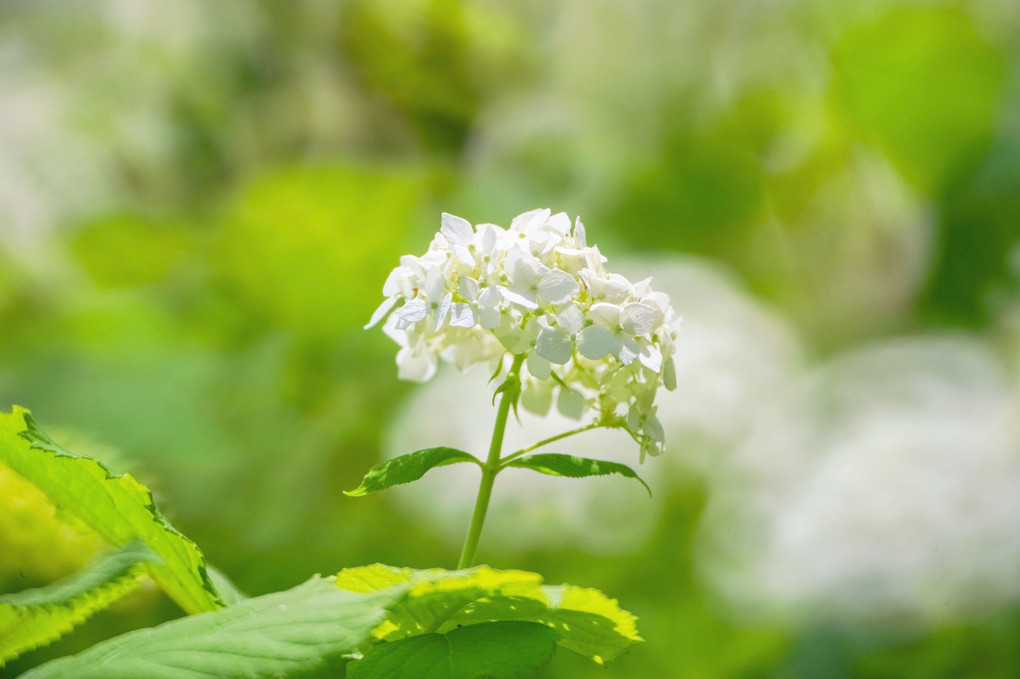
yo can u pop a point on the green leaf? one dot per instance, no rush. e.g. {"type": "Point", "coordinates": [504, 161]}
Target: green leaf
{"type": "Point", "coordinates": [229, 593]}
{"type": "Point", "coordinates": [302, 630]}
{"type": "Point", "coordinates": [293, 275]}
{"type": "Point", "coordinates": [408, 468]}
{"type": "Point", "coordinates": [36, 617]}
{"type": "Point", "coordinates": [588, 622]}
{"type": "Point", "coordinates": [557, 464]}
{"type": "Point", "coordinates": [493, 650]}
{"type": "Point", "coordinates": [925, 85]}
{"type": "Point", "coordinates": [114, 505]}
{"type": "Point", "coordinates": [511, 389]}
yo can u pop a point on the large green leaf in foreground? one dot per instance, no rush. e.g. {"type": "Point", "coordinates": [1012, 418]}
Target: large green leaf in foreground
{"type": "Point", "coordinates": [490, 650]}
{"type": "Point", "coordinates": [114, 505]}
{"type": "Point", "coordinates": [299, 632]}
{"type": "Point", "coordinates": [38, 616]}
{"type": "Point", "coordinates": [588, 622]}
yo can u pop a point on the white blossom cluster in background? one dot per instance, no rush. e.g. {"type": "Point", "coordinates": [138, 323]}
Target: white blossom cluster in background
{"type": "Point", "coordinates": [885, 485]}
{"type": "Point", "coordinates": [594, 341]}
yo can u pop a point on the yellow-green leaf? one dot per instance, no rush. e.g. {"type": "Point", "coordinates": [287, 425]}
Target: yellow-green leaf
{"type": "Point", "coordinates": [36, 617]}
{"type": "Point", "coordinates": [114, 505]}
{"type": "Point", "coordinates": [302, 632]}
{"type": "Point", "coordinates": [588, 622]}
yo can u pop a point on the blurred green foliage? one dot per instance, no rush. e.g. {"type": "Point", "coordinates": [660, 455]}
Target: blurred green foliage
{"type": "Point", "coordinates": [201, 202]}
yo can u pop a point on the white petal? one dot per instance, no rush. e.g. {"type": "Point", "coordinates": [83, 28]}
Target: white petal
{"type": "Point", "coordinates": [637, 318]}
{"type": "Point", "coordinates": [629, 350]}
{"type": "Point", "coordinates": [516, 339]}
{"type": "Point", "coordinates": [537, 398]}
{"type": "Point", "coordinates": [669, 374]}
{"type": "Point", "coordinates": [580, 238]}
{"type": "Point", "coordinates": [524, 269]}
{"type": "Point", "coordinates": [595, 342]}
{"type": "Point", "coordinates": [488, 318]}
{"type": "Point", "coordinates": [398, 282]}
{"type": "Point", "coordinates": [435, 284]}
{"type": "Point", "coordinates": [415, 367]}
{"type": "Point", "coordinates": [651, 357]}
{"type": "Point", "coordinates": [490, 297]}
{"type": "Point", "coordinates": [634, 419]}
{"type": "Point", "coordinates": [653, 429]}
{"type": "Point", "coordinates": [529, 221]}
{"type": "Point", "coordinates": [554, 344]}
{"type": "Point", "coordinates": [468, 288]}
{"type": "Point", "coordinates": [412, 312]}
{"type": "Point", "coordinates": [538, 366]}
{"type": "Point", "coordinates": [570, 319]}
{"type": "Point", "coordinates": [570, 403]}
{"type": "Point", "coordinates": [487, 237]}
{"type": "Point", "coordinates": [462, 315]}
{"type": "Point", "coordinates": [525, 300]}
{"type": "Point", "coordinates": [605, 314]}
{"type": "Point", "coordinates": [559, 224]}
{"type": "Point", "coordinates": [456, 230]}
{"type": "Point", "coordinates": [381, 312]}
{"type": "Point", "coordinates": [443, 310]}
{"type": "Point", "coordinates": [557, 286]}
{"type": "Point", "coordinates": [612, 288]}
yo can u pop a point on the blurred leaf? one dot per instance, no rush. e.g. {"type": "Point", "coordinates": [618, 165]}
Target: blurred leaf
{"type": "Point", "coordinates": [408, 468]}
{"type": "Point", "coordinates": [700, 195]}
{"type": "Point", "coordinates": [115, 506]}
{"type": "Point", "coordinates": [975, 271]}
{"type": "Point", "coordinates": [36, 617]}
{"type": "Point", "coordinates": [493, 650]}
{"type": "Point", "coordinates": [983, 648]}
{"type": "Point", "coordinates": [557, 464]}
{"type": "Point", "coordinates": [311, 246]}
{"type": "Point", "coordinates": [924, 85]}
{"type": "Point", "coordinates": [126, 250]}
{"type": "Point", "coordinates": [230, 594]}
{"type": "Point", "coordinates": [588, 621]}
{"type": "Point", "coordinates": [297, 632]}
{"type": "Point", "coordinates": [423, 57]}
{"type": "Point", "coordinates": [39, 545]}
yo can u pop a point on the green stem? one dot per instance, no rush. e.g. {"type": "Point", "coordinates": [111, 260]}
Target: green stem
{"type": "Point", "coordinates": [558, 437]}
{"type": "Point", "coordinates": [489, 471]}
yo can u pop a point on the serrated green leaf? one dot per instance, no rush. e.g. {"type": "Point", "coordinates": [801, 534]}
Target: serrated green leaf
{"type": "Point", "coordinates": [589, 622]}
{"type": "Point", "coordinates": [557, 464]}
{"type": "Point", "coordinates": [114, 505]}
{"type": "Point", "coordinates": [298, 632]}
{"type": "Point", "coordinates": [36, 617]}
{"type": "Point", "coordinates": [492, 650]}
{"type": "Point", "coordinates": [408, 468]}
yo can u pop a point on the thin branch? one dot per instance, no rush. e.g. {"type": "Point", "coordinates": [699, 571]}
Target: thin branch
{"type": "Point", "coordinates": [612, 424]}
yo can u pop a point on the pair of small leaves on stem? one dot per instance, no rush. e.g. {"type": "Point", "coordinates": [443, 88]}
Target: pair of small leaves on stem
{"type": "Point", "coordinates": [413, 466]}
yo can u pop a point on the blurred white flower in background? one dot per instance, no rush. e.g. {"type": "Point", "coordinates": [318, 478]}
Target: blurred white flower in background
{"type": "Point", "coordinates": [732, 357]}
{"type": "Point", "coordinates": [885, 485]}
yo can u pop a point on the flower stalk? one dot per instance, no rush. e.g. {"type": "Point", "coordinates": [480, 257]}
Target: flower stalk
{"type": "Point", "coordinates": [559, 437]}
{"type": "Point", "coordinates": [490, 469]}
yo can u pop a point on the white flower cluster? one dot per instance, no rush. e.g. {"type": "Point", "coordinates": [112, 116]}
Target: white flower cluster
{"type": "Point", "coordinates": [593, 340]}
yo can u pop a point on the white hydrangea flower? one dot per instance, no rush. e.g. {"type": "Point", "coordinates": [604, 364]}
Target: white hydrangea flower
{"type": "Point", "coordinates": [596, 344]}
